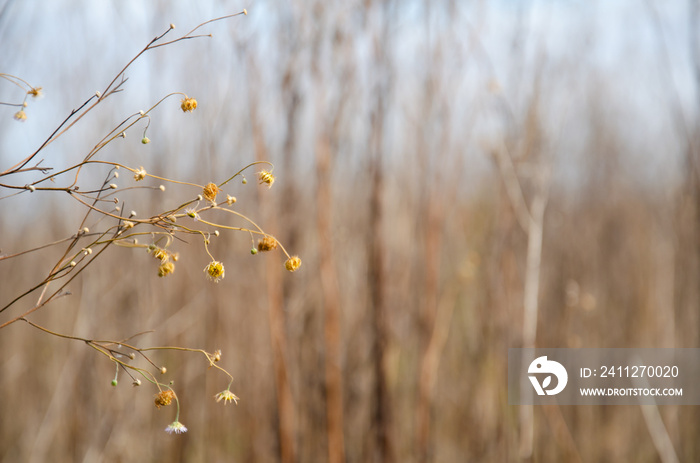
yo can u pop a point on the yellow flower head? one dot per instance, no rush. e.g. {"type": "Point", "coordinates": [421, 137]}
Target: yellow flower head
{"type": "Point", "coordinates": [227, 396]}
{"type": "Point", "coordinates": [188, 104]}
{"type": "Point", "coordinates": [21, 115]}
{"type": "Point", "coordinates": [166, 268]}
{"type": "Point", "coordinates": [266, 177]}
{"type": "Point", "coordinates": [268, 243]}
{"type": "Point", "coordinates": [164, 398]}
{"type": "Point", "coordinates": [293, 263]}
{"type": "Point", "coordinates": [215, 271]}
{"type": "Point", "coordinates": [159, 253]}
{"type": "Point", "coordinates": [210, 192]}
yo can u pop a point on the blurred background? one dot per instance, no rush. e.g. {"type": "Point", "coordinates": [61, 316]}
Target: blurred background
{"type": "Point", "coordinates": [458, 177]}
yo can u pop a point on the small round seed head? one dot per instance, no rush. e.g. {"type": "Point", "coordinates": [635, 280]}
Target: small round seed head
{"type": "Point", "coordinates": [21, 115]}
{"type": "Point", "coordinates": [137, 382]}
{"type": "Point", "coordinates": [253, 251]}
{"type": "Point", "coordinates": [217, 355]}
{"type": "Point", "coordinates": [161, 187]}
{"type": "Point", "coordinates": [293, 263]}
{"type": "Point", "coordinates": [145, 140]}
{"type": "Point", "coordinates": [210, 191]}
{"type": "Point", "coordinates": [163, 370]}
{"type": "Point", "coordinates": [268, 243]}
{"type": "Point", "coordinates": [230, 200]}
{"type": "Point", "coordinates": [164, 398]}
{"type": "Point", "coordinates": [188, 104]}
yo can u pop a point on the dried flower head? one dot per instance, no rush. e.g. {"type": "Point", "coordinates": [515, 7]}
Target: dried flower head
{"type": "Point", "coordinates": [215, 271]}
{"type": "Point", "coordinates": [266, 177]}
{"type": "Point", "coordinates": [227, 396]}
{"type": "Point", "coordinates": [158, 253]}
{"type": "Point", "coordinates": [21, 115]}
{"type": "Point", "coordinates": [166, 268]}
{"type": "Point", "coordinates": [176, 427]}
{"type": "Point", "coordinates": [217, 355]}
{"type": "Point", "coordinates": [35, 92]}
{"type": "Point", "coordinates": [164, 398]}
{"type": "Point", "coordinates": [188, 104]}
{"type": "Point", "coordinates": [210, 191]}
{"type": "Point", "coordinates": [268, 243]}
{"type": "Point", "coordinates": [293, 263]}
{"type": "Point", "coordinates": [230, 200]}
{"type": "Point", "coordinates": [140, 174]}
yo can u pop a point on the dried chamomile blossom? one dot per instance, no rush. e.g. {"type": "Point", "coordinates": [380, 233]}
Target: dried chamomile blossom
{"type": "Point", "coordinates": [227, 396]}
{"type": "Point", "coordinates": [165, 269]}
{"type": "Point", "coordinates": [215, 271]}
{"type": "Point", "coordinates": [164, 398]}
{"type": "Point", "coordinates": [35, 92]}
{"type": "Point", "coordinates": [158, 253]}
{"type": "Point", "coordinates": [293, 263]}
{"type": "Point", "coordinates": [266, 177]}
{"type": "Point", "coordinates": [268, 243]}
{"type": "Point", "coordinates": [210, 191]}
{"type": "Point", "coordinates": [188, 104]}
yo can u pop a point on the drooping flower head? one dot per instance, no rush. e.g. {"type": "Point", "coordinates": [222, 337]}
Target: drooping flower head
{"type": "Point", "coordinates": [268, 243]}
{"type": "Point", "coordinates": [266, 177]}
{"type": "Point", "coordinates": [293, 263]}
{"type": "Point", "coordinates": [176, 427]}
{"type": "Point", "coordinates": [227, 396]}
{"type": "Point", "coordinates": [188, 104]}
{"type": "Point", "coordinates": [215, 271]}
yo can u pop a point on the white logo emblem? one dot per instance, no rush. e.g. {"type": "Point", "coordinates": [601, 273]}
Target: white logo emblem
{"type": "Point", "coordinates": [542, 365]}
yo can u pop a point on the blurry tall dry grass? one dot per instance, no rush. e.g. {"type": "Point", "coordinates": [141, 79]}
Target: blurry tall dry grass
{"type": "Point", "coordinates": [395, 131]}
